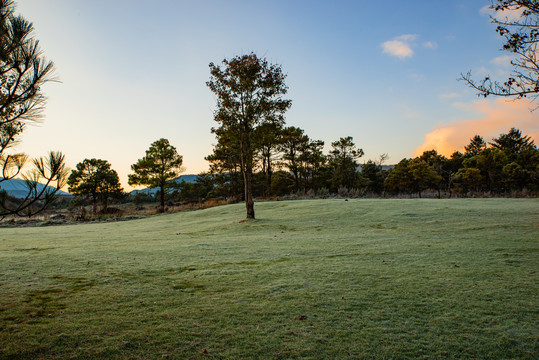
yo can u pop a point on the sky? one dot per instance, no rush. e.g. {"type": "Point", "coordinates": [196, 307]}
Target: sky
{"type": "Point", "coordinates": [384, 72]}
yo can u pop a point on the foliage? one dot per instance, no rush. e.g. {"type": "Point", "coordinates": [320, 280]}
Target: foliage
{"type": "Point", "coordinates": [513, 143]}
{"type": "Point", "coordinates": [95, 179]}
{"type": "Point", "coordinates": [311, 163]}
{"type": "Point", "coordinates": [142, 197]}
{"type": "Point", "coordinates": [521, 36]}
{"type": "Point", "coordinates": [23, 72]}
{"type": "Point", "coordinates": [412, 176]}
{"type": "Point", "coordinates": [372, 175]}
{"type": "Point", "coordinates": [161, 164]}
{"type": "Point", "coordinates": [198, 191]}
{"type": "Point", "coordinates": [511, 163]}
{"type": "Point", "coordinates": [293, 140]}
{"type": "Point", "coordinates": [343, 162]}
{"type": "Point", "coordinates": [282, 183]}
{"type": "Point", "coordinates": [268, 137]}
{"type": "Point", "coordinates": [249, 94]}
{"type": "Point", "coordinates": [507, 165]}
{"type": "Point", "coordinates": [476, 145]}
{"type": "Point", "coordinates": [468, 179]}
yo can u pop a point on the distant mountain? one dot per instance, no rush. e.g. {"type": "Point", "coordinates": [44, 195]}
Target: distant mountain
{"type": "Point", "coordinates": [187, 178]}
{"type": "Point", "coordinates": [384, 167]}
{"type": "Point", "coordinates": [17, 188]}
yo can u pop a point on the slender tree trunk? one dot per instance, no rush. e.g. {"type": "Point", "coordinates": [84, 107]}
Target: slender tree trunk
{"type": "Point", "coordinates": [296, 177]}
{"type": "Point", "coordinates": [247, 171]}
{"type": "Point", "coordinates": [269, 178]}
{"type": "Point", "coordinates": [248, 180]}
{"type": "Point", "coordinates": [162, 208]}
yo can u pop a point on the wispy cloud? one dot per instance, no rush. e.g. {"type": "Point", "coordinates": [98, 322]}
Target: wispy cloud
{"type": "Point", "coordinates": [407, 37]}
{"type": "Point", "coordinates": [504, 60]}
{"type": "Point", "coordinates": [430, 44]}
{"type": "Point", "coordinates": [400, 46]}
{"type": "Point", "coordinates": [496, 117]}
{"type": "Point", "coordinates": [417, 77]}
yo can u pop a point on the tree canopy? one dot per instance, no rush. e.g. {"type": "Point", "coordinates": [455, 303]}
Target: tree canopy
{"type": "Point", "coordinates": [95, 179]}
{"type": "Point", "coordinates": [161, 164]}
{"type": "Point", "coordinates": [249, 93]}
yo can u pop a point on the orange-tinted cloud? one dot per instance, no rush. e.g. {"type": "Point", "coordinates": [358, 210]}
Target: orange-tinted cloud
{"type": "Point", "coordinates": [400, 47]}
{"type": "Point", "coordinates": [496, 117]}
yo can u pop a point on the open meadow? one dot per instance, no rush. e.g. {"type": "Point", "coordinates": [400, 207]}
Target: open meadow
{"type": "Point", "coordinates": [310, 279]}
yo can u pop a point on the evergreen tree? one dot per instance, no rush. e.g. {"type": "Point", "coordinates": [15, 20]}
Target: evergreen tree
{"type": "Point", "coordinates": [249, 94]}
{"type": "Point", "coordinates": [161, 164]}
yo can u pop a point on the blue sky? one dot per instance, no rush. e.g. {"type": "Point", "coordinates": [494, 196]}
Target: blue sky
{"type": "Point", "coordinates": [384, 72]}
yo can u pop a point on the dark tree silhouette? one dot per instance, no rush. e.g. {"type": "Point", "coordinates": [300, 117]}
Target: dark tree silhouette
{"type": "Point", "coordinates": [521, 38]}
{"type": "Point", "coordinates": [513, 142]}
{"type": "Point", "coordinates": [476, 145]}
{"type": "Point", "coordinates": [23, 72]}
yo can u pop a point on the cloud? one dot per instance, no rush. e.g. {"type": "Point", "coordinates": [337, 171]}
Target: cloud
{"type": "Point", "coordinates": [496, 117]}
{"type": "Point", "coordinates": [400, 46]}
{"type": "Point", "coordinates": [512, 14]}
{"type": "Point", "coordinates": [504, 60]}
{"type": "Point", "coordinates": [430, 44]}
{"type": "Point", "coordinates": [407, 37]}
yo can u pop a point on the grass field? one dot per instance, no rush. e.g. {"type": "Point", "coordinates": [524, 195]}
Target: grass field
{"type": "Point", "coordinates": [315, 279]}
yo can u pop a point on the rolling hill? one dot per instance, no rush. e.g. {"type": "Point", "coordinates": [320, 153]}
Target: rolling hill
{"type": "Point", "coordinates": [17, 188]}
{"type": "Point", "coordinates": [187, 178]}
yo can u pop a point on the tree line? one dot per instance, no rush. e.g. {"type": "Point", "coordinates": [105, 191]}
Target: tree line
{"type": "Point", "coordinates": [297, 165]}
{"type": "Point", "coordinates": [293, 164]}
{"type": "Point", "coordinates": [256, 154]}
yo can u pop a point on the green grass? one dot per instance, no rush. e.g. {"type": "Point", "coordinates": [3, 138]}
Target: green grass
{"type": "Point", "coordinates": [318, 279]}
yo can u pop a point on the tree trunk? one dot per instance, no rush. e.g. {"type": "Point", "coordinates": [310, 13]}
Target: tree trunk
{"type": "Point", "coordinates": [269, 179]}
{"type": "Point", "coordinates": [162, 208]}
{"type": "Point", "coordinates": [249, 203]}
{"type": "Point", "coordinates": [296, 177]}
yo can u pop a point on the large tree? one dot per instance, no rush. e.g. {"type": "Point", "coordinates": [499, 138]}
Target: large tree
{"type": "Point", "coordinates": [23, 72]}
{"type": "Point", "coordinates": [518, 23]}
{"type": "Point", "coordinates": [161, 164]}
{"type": "Point", "coordinates": [249, 93]}
{"type": "Point", "coordinates": [94, 179]}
